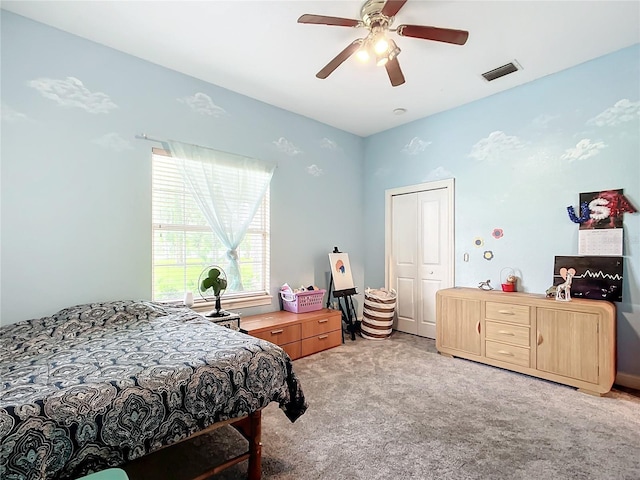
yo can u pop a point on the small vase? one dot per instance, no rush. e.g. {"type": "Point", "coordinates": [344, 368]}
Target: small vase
{"type": "Point", "coordinates": [188, 299]}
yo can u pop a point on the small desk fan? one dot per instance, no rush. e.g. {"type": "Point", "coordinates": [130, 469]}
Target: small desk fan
{"type": "Point", "coordinates": [213, 278]}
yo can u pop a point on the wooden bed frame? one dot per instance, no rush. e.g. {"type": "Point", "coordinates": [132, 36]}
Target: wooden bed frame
{"type": "Point", "coordinates": [250, 427]}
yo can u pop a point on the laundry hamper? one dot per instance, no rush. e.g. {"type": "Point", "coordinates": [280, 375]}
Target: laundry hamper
{"type": "Point", "coordinates": [302, 302]}
{"type": "Point", "coordinates": [379, 308]}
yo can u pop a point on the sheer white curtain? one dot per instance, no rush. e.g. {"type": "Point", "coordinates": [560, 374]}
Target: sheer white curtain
{"type": "Point", "coordinates": [228, 189]}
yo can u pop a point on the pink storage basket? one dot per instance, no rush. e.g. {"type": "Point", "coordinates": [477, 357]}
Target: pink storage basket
{"type": "Point", "coordinates": [302, 302]}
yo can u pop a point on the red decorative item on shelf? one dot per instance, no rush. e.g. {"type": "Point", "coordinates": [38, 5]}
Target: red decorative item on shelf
{"type": "Point", "coordinates": [508, 287]}
{"type": "Point", "coordinates": [510, 281]}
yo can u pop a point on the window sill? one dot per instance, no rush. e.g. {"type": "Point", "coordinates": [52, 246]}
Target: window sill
{"type": "Point", "coordinates": [226, 303]}
{"type": "Point", "coordinates": [234, 303]}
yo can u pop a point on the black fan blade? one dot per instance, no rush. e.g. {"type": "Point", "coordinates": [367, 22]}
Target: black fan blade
{"type": "Point", "coordinates": [447, 35]}
{"type": "Point", "coordinates": [394, 71]}
{"type": "Point", "coordinates": [322, 20]}
{"type": "Point", "coordinates": [341, 57]}
{"type": "Point", "coordinates": [392, 7]}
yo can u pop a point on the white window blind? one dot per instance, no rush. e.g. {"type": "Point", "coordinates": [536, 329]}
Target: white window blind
{"type": "Point", "coordinates": [183, 243]}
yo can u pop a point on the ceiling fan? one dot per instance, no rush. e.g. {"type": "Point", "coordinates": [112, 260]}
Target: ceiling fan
{"type": "Point", "coordinates": [377, 17]}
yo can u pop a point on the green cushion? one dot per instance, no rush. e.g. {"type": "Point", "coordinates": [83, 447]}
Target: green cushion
{"type": "Point", "coordinates": [109, 474]}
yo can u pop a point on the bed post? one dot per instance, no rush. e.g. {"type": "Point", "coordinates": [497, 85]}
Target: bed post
{"type": "Point", "coordinates": [255, 445]}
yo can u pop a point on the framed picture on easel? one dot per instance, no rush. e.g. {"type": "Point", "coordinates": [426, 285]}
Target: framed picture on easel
{"type": "Point", "coordinates": [341, 271]}
{"type": "Point", "coordinates": [343, 289]}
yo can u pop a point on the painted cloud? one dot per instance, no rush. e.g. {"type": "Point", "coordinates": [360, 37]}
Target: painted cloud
{"type": "Point", "coordinates": [438, 174]}
{"type": "Point", "coordinates": [623, 111]}
{"type": "Point", "coordinates": [286, 146]}
{"type": "Point", "coordinates": [584, 149]}
{"type": "Point", "coordinates": [328, 144]}
{"type": "Point", "coordinates": [71, 92]}
{"type": "Point", "coordinates": [415, 146]}
{"type": "Point", "coordinates": [495, 145]}
{"type": "Point", "coordinates": [12, 116]}
{"type": "Point", "coordinates": [203, 104]}
{"type": "Point", "coordinates": [314, 170]}
{"type": "Point", "coordinates": [113, 141]}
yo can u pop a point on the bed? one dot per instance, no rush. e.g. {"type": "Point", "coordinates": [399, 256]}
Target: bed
{"type": "Point", "coordinates": [97, 385]}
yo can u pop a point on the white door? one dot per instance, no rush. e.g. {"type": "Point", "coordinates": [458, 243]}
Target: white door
{"type": "Point", "coordinates": [419, 252]}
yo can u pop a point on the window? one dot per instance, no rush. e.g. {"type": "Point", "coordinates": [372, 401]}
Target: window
{"type": "Point", "coordinates": [183, 243]}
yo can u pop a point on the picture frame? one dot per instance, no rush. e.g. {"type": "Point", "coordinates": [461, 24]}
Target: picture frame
{"type": "Point", "coordinates": [596, 277]}
{"type": "Point", "coordinates": [341, 271]}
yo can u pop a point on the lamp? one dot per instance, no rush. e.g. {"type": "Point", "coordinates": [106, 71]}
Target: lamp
{"type": "Point", "coordinates": [389, 54]}
{"type": "Point", "coordinates": [363, 55]}
{"type": "Point", "coordinates": [363, 51]}
{"type": "Point", "coordinates": [381, 60]}
{"type": "Point", "coordinates": [380, 43]}
{"type": "Point", "coordinates": [393, 51]}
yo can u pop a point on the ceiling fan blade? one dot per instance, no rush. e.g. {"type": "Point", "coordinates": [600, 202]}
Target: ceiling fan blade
{"type": "Point", "coordinates": [392, 7]}
{"type": "Point", "coordinates": [341, 57]}
{"type": "Point", "coordinates": [447, 35]}
{"type": "Point", "coordinates": [394, 71]}
{"type": "Point", "coordinates": [323, 20]}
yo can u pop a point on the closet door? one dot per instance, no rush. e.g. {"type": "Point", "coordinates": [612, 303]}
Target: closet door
{"type": "Point", "coordinates": [405, 260]}
{"type": "Point", "coordinates": [421, 263]}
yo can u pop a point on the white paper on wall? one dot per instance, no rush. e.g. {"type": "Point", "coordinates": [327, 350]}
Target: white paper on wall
{"type": "Point", "coordinates": [604, 241]}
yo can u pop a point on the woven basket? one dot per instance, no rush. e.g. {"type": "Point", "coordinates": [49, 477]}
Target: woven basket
{"type": "Point", "coordinates": [378, 312]}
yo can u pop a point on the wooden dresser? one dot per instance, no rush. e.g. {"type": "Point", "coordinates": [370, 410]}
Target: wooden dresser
{"type": "Point", "coordinates": [299, 334]}
{"type": "Point", "coordinates": [566, 342]}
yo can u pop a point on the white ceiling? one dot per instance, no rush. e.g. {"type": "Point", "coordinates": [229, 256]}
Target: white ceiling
{"type": "Point", "coordinates": [257, 48]}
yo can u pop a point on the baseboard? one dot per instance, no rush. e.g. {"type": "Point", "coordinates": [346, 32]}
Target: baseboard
{"type": "Point", "coordinates": [628, 380]}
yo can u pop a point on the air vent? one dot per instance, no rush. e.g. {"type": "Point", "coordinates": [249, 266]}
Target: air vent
{"type": "Point", "coordinates": [501, 71]}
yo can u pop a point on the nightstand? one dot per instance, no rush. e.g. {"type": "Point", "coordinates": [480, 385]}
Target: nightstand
{"type": "Point", "coordinates": [231, 321]}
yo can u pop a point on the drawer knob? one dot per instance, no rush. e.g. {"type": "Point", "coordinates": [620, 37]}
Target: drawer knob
{"type": "Point", "coordinates": [324, 320]}
{"type": "Point", "coordinates": [276, 332]}
{"type": "Point", "coordinates": [505, 312]}
{"type": "Point", "coordinates": [504, 352]}
{"type": "Point", "coordinates": [322, 337]}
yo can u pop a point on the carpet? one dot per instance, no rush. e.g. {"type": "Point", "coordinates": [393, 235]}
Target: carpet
{"type": "Point", "coordinates": [396, 409]}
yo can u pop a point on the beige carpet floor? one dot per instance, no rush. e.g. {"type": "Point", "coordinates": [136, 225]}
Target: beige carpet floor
{"type": "Point", "coordinates": [396, 409]}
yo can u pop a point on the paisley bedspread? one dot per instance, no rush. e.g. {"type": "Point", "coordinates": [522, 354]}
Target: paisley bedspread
{"type": "Point", "coordinates": [97, 385]}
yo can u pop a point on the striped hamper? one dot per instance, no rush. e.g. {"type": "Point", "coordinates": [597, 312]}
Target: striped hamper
{"type": "Point", "coordinates": [379, 308]}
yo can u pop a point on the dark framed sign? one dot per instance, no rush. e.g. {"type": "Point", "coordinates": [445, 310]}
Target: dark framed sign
{"type": "Point", "coordinates": [596, 277]}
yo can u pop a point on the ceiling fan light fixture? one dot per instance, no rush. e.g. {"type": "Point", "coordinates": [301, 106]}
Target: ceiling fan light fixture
{"type": "Point", "coordinates": [393, 51]}
{"type": "Point", "coordinates": [377, 17]}
{"type": "Point", "coordinates": [389, 54]}
{"type": "Point", "coordinates": [363, 55]}
{"type": "Point", "coordinates": [381, 60]}
{"type": "Point", "coordinates": [380, 43]}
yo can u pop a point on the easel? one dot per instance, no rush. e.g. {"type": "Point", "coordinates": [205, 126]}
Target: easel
{"type": "Point", "coordinates": [348, 311]}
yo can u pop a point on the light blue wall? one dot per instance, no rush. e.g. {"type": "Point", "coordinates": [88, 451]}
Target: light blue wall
{"type": "Point", "coordinates": [75, 184]}
{"type": "Point", "coordinates": [519, 158]}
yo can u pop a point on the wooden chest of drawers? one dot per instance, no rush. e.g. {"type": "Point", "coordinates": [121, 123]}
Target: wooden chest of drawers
{"type": "Point", "coordinates": [299, 334]}
{"type": "Point", "coordinates": [566, 342]}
